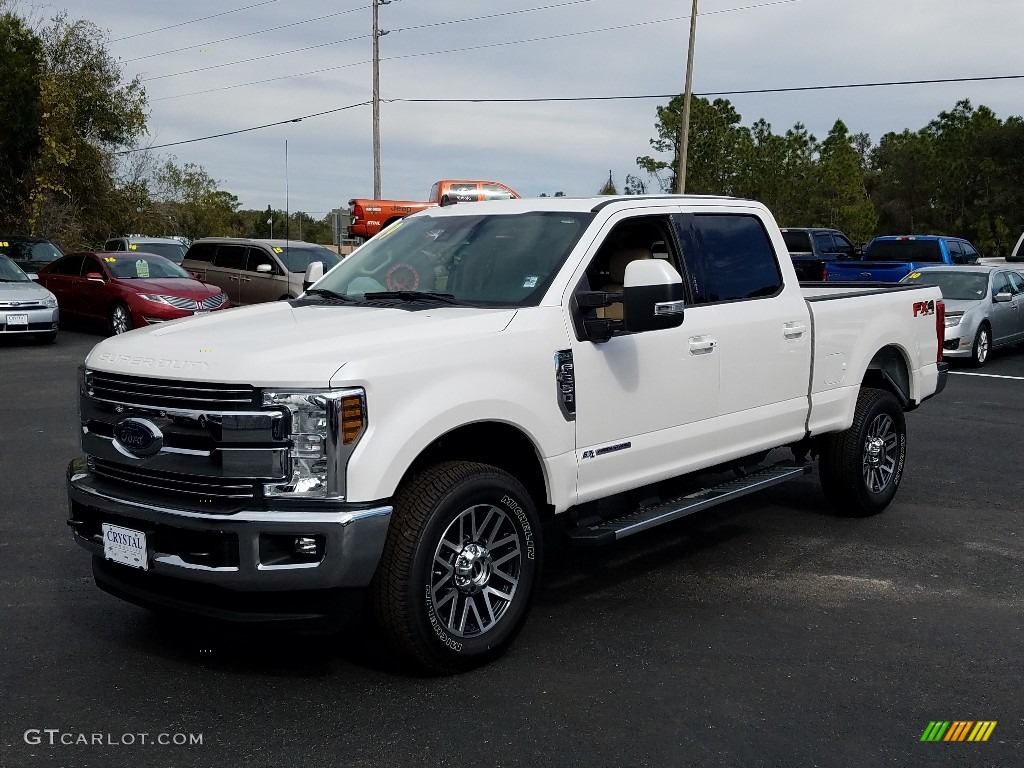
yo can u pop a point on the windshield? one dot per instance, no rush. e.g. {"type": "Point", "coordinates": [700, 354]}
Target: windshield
{"type": "Point", "coordinates": [296, 258]}
{"type": "Point", "coordinates": [140, 267]}
{"type": "Point", "coordinates": [484, 259]}
{"type": "Point", "coordinates": [11, 272]}
{"type": "Point", "coordinates": [920, 251]}
{"type": "Point", "coordinates": [173, 251]}
{"type": "Point", "coordinates": [796, 242]}
{"type": "Point", "coordinates": [20, 250]}
{"type": "Point", "coordinates": [957, 286]}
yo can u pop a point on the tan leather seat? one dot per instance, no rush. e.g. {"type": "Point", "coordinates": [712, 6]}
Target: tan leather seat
{"type": "Point", "coordinates": [617, 275]}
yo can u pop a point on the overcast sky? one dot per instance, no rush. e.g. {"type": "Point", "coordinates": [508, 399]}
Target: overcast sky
{"type": "Point", "coordinates": [517, 49]}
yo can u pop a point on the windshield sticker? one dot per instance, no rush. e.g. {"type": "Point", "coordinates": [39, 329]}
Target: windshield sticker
{"type": "Point", "coordinates": [133, 246]}
{"type": "Point", "coordinates": [4, 244]}
{"type": "Point", "coordinates": [530, 281]}
{"type": "Point", "coordinates": [142, 268]}
{"type": "Point", "coordinates": [109, 259]}
{"type": "Point", "coordinates": [278, 249]}
{"type": "Point", "coordinates": [914, 275]}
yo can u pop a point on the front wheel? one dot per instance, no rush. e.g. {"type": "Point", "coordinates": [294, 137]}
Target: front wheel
{"type": "Point", "coordinates": [120, 319]}
{"type": "Point", "coordinates": [982, 346]}
{"type": "Point", "coordinates": [861, 467]}
{"type": "Point", "coordinates": [459, 568]}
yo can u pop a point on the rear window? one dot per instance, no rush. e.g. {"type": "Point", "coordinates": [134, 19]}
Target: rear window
{"type": "Point", "coordinates": [797, 242]}
{"type": "Point", "coordinates": [920, 251]}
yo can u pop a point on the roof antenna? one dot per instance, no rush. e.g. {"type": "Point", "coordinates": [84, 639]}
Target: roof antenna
{"type": "Point", "coordinates": [287, 214]}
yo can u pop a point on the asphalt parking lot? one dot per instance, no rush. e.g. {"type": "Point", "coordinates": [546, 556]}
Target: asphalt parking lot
{"type": "Point", "coordinates": [764, 633]}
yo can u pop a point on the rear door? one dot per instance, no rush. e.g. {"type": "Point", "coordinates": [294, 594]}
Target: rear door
{"type": "Point", "coordinates": [762, 330]}
{"type": "Point", "coordinates": [227, 269]}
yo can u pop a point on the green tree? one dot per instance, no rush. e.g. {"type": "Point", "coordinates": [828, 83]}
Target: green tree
{"type": "Point", "coordinates": [608, 188]}
{"type": "Point", "coordinates": [20, 62]}
{"type": "Point", "coordinates": [842, 200]}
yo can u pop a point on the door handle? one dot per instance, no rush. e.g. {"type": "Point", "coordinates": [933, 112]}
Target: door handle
{"type": "Point", "coordinates": [793, 330]}
{"type": "Point", "coordinates": [702, 345]}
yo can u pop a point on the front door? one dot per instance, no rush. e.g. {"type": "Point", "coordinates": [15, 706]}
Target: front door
{"type": "Point", "coordinates": [645, 402]}
{"type": "Point", "coordinates": [1004, 315]}
{"type": "Point", "coordinates": [227, 269]}
{"type": "Point", "coordinates": [256, 286]}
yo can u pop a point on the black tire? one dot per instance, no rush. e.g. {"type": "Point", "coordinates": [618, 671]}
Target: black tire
{"type": "Point", "coordinates": [120, 323]}
{"type": "Point", "coordinates": [860, 469]}
{"type": "Point", "coordinates": [430, 562]}
{"type": "Point", "coordinates": [982, 346]}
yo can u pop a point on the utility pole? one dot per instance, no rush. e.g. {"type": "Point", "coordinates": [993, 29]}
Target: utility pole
{"type": "Point", "coordinates": [377, 35]}
{"type": "Point", "coordinates": [685, 129]}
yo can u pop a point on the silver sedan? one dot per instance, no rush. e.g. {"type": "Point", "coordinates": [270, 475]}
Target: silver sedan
{"type": "Point", "coordinates": [984, 307]}
{"type": "Point", "coordinates": [26, 308]}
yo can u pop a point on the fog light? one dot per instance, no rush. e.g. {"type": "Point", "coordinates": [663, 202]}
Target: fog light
{"type": "Point", "coordinates": [305, 545]}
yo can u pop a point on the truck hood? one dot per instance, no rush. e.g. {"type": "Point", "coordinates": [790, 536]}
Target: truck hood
{"type": "Point", "coordinates": [278, 345]}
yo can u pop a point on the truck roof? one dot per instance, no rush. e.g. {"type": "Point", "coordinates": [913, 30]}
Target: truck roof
{"type": "Point", "coordinates": [582, 204]}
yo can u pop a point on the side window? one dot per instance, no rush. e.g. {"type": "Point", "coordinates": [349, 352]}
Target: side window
{"type": "Point", "coordinates": [91, 265]}
{"type": "Point", "coordinates": [956, 254]}
{"type": "Point", "coordinates": [201, 252]}
{"type": "Point", "coordinates": [643, 237]}
{"type": "Point", "coordinates": [1001, 283]}
{"type": "Point", "coordinates": [463, 193]}
{"type": "Point", "coordinates": [823, 241]}
{"type": "Point", "coordinates": [70, 266]}
{"type": "Point", "coordinates": [258, 256]}
{"type": "Point", "coordinates": [729, 257]}
{"type": "Point", "coordinates": [1016, 282]}
{"type": "Point", "coordinates": [971, 256]}
{"type": "Point", "coordinates": [844, 247]}
{"type": "Point", "coordinates": [495, 192]}
{"type": "Point", "coordinates": [230, 257]}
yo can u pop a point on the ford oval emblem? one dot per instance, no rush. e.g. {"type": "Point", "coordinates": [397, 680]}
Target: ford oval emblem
{"type": "Point", "coordinates": [138, 438]}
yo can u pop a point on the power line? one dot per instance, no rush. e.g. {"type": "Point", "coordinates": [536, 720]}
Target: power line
{"type": "Point", "coordinates": [461, 50]}
{"type": "Point", "coordinates": [193, 21]}
{"type": "Point", "coordinates": [241, 130]}
{"type": "Point", "coordinates": [360, 37]}
{"type": "Point", "coordinates": [247, 34]}
{"type": "Point", "coordinates": [593, 98]}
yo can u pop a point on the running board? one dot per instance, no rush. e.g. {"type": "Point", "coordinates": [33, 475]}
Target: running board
{"type": "Point", "coordinates": [644, 518]}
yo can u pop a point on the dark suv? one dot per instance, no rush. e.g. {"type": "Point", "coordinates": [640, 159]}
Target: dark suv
{"type": "Point", "coordinates": [29, 253]}
{"type": "Point", "coordinates": [811, 249]}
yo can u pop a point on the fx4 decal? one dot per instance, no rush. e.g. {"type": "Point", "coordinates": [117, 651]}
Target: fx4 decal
{"type": "Point", "coordinates": [924, 308]}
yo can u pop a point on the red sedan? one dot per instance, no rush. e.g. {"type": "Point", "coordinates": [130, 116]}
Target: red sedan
{"type": "Point", "coordinates": [127, 290]}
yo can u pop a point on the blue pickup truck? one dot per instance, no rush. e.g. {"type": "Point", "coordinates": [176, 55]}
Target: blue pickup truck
{"type": "Point", "coordinates": [891, 258]}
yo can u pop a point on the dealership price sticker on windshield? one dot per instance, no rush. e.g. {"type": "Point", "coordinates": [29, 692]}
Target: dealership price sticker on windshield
{"type": "Point", "coordinates": [125, 546]}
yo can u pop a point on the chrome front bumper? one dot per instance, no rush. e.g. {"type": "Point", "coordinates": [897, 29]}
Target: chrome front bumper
{"type": "Point", "coordinates": [240, 549]}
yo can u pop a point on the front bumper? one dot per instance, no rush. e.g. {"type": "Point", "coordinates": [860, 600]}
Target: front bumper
{"type": "Point", "coordinates": [150, 312]}
{"type": "Point", "coordinates": [39, 321]}
{"type": "Point", "coordinates": [243, 551]}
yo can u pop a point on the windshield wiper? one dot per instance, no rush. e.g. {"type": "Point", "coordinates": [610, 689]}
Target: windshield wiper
{"type": "Point", "coordinates": [443, 298]}
{"type": "Point", "coordinates": [329, 294]}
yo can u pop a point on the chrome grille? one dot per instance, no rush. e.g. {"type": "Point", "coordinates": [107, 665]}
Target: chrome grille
{"type": "Point", "coordinates": [214, 302]}
{"type": "Point", "coordinates": [168, 482]}
{"type": "Point", "coordinates": [166, 393]}
{"type": "Point", "coordinates": [18, 305]}
{"type": "Point", "coordinates": [180, 302]}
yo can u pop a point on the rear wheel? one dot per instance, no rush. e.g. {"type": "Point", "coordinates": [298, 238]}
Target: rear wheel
{"type": "Point", "coordinates": [982, 346]}
{"type": "Point", "coordinates": [459, 568]}
{"type": "Point", "coordinates": [860, 469]}
{"type": "Point", "coordinates": [120, 319]}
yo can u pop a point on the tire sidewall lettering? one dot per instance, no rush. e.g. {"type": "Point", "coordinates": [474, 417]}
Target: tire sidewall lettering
{"type": "Point", "coordinates": [524, 521]}
{"type": "Point", "coordinates": [449, 642]}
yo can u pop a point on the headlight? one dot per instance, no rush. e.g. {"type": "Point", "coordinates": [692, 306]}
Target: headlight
{"type": "Point", "coordinates": [154, 298]}
{"type": "Point", "coordinates": [50, 302]}
{"type": "Point", "coordinates": [325, 426]}
{"type": "Point", "coordinates": [953, 318]}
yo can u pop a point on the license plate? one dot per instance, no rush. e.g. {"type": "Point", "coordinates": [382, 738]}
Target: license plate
{"type": "Point", "coordinates": [125, 546]}
{"type": "Point", "coordinates": [17, 320]}
{"type": "Point", "coordinates": [201, 312]}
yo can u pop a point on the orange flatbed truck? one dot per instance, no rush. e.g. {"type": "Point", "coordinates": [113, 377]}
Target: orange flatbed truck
{"type": "Point", "coordinates": [370, 216]}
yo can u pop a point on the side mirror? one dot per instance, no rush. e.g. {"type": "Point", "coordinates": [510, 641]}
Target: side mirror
{"type": "Point", "coordinates": [314, 272]}
{"type": "Point", "coordinates": [652, 296]}
{"type": "Point", "coordinates": [95, 277]}
{"type": "Point", "coordinates": [264, 269]}
{"type": "Point", "coordinates": [1002, 296]}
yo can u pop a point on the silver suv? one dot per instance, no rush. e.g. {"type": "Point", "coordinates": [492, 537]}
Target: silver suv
{"type": "Point", "coordinates": [254, 271]}
{"type": "Point", "coordinates": [169, 247]}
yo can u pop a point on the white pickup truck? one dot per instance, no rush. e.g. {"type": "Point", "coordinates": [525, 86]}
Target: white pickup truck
{"type": "Point", "coordinates": [592, 367]}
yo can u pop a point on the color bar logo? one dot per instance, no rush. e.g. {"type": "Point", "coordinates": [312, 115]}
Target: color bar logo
{"type": "Point", "coordinates": [959, 730]}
